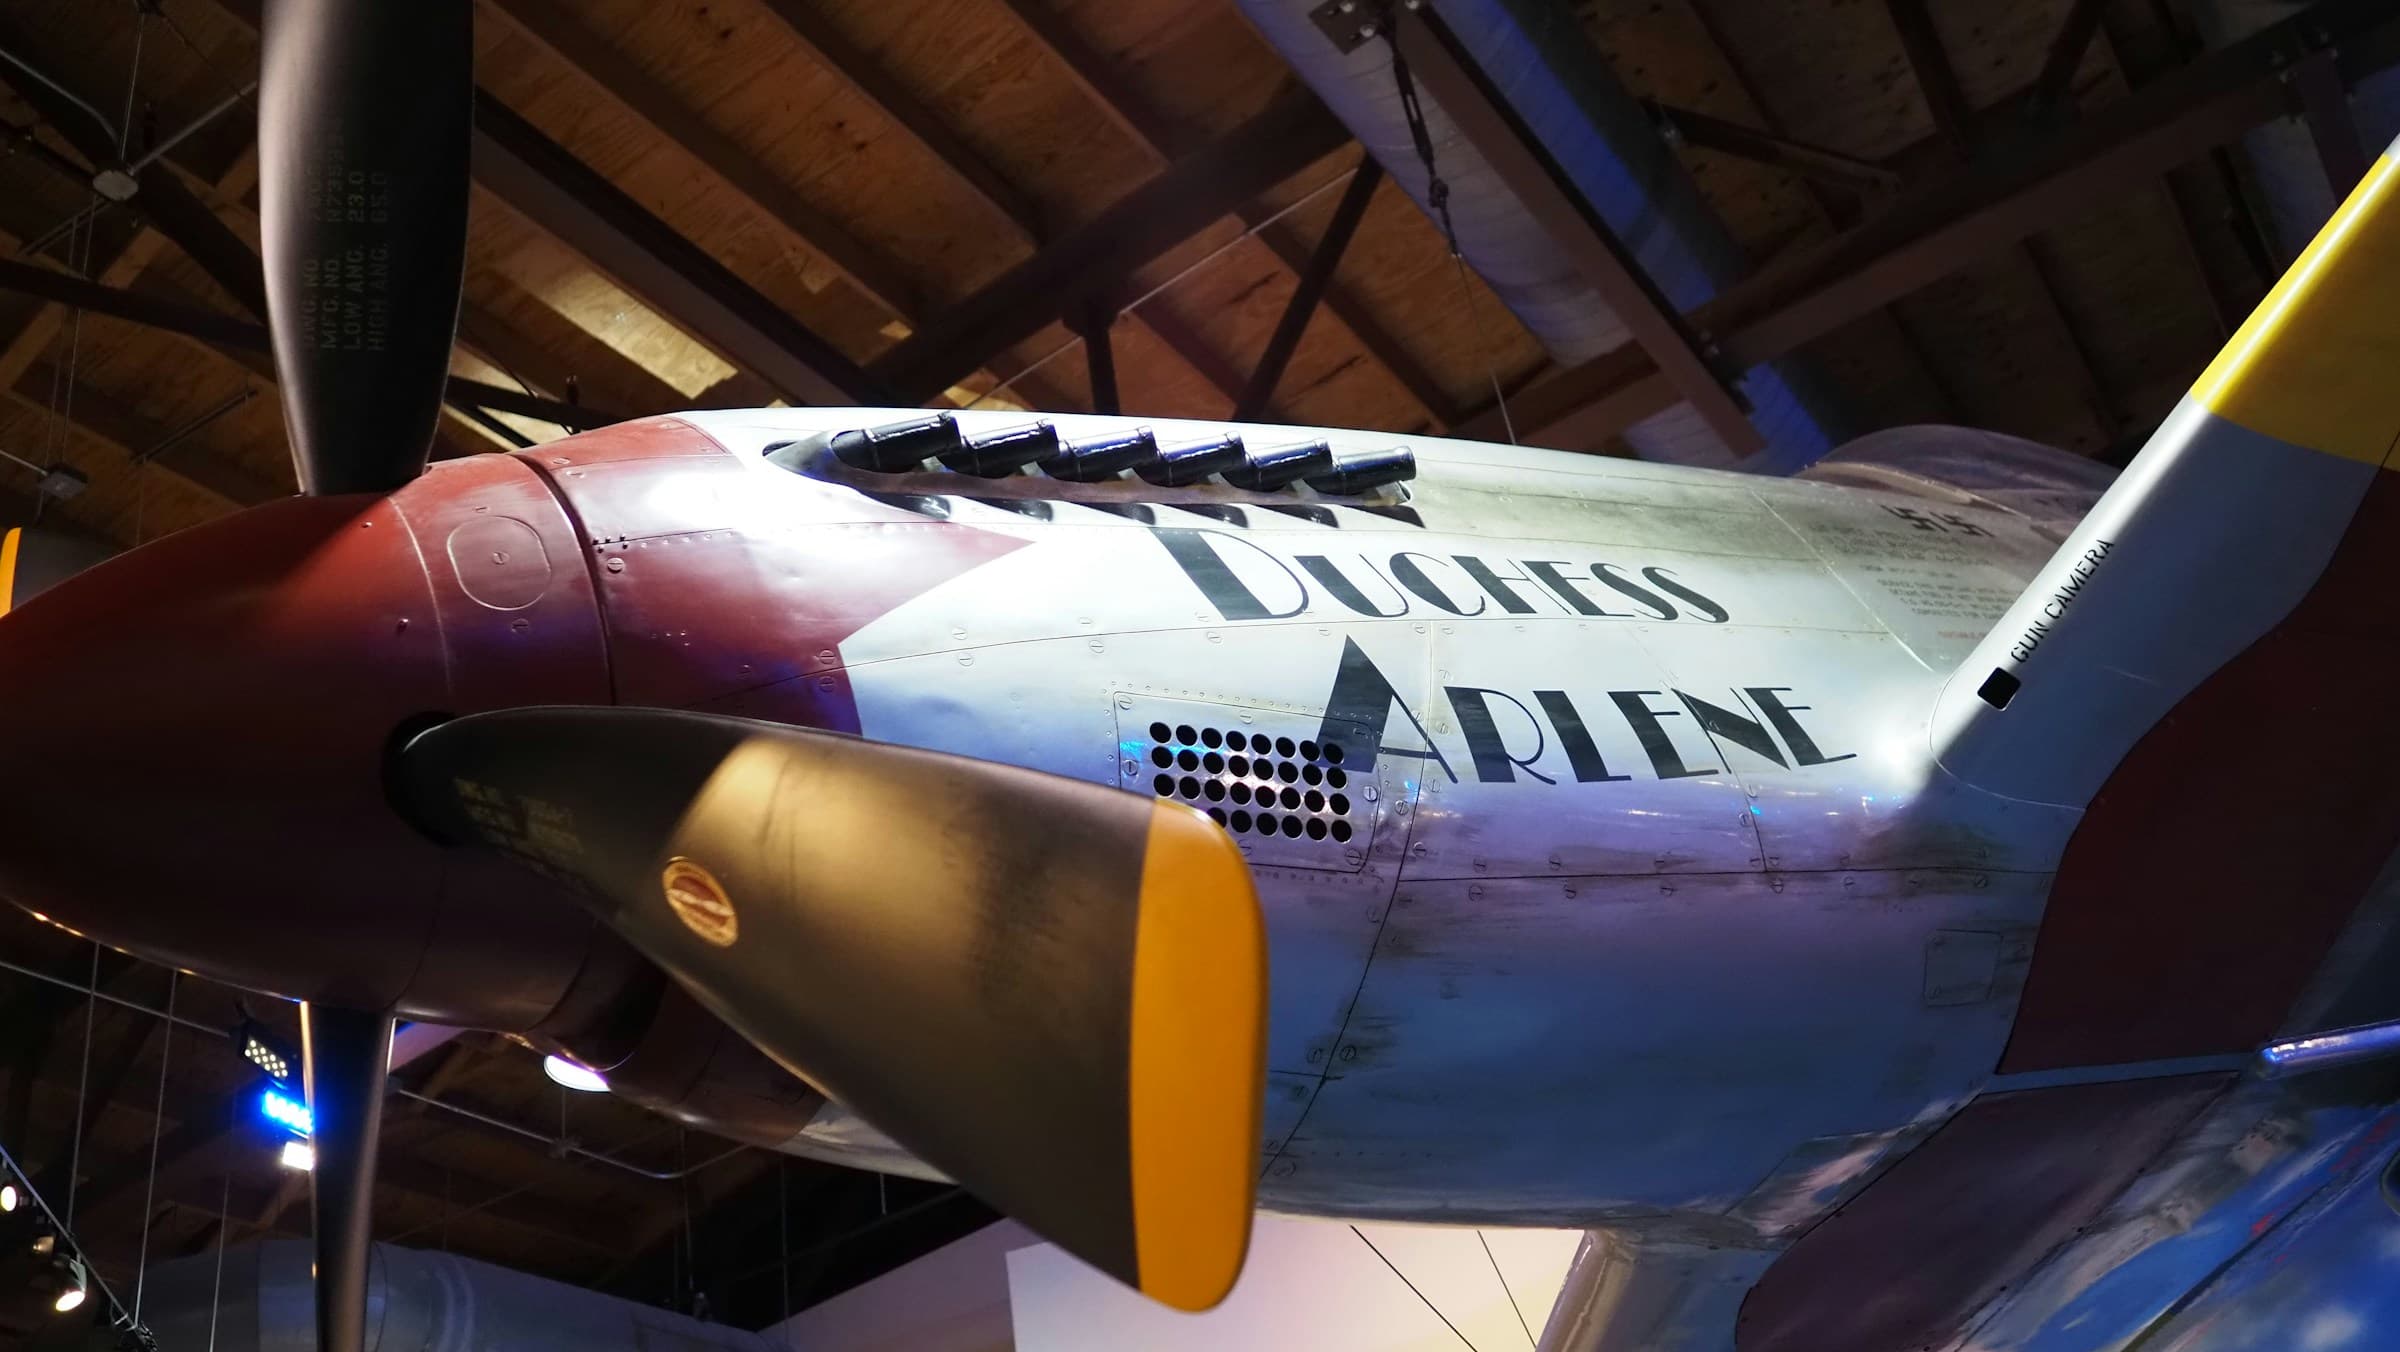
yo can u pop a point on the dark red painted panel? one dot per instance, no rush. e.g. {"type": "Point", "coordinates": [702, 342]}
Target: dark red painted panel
{"type": "Point", "coordinates": [717, 581]}
{"type": "Point", "coordinates": [520, 624]}
{"type": "Point", "coordinates": [1906, 1263]}
{"type": "Point", "coordinates": [2229, 848]}
{"type": "Point", "coordinates": [195, 750]}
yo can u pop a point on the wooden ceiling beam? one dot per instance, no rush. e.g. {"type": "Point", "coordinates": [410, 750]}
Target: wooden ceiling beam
{"type": "Point", "coordinates": [1126, 109]}
{"type": "Point", "coordinates": [1838, 212]}
{"type": "Point", "coordinates": [162, 198]}
{"type": "Point", "coordinates": [1463, 93]}
{"type": "Point", "coordinates": [539, 179]}
{"type": "Point", "coordinates": [481, 335]}
{"type": "Point", "coordinates": [1966, 214]}
{"type": "Point", "coordinates": [1259, 391]}
{"type": "Point", "coordinates": [1819, 164]}
{"type": "Point", "coordinates": [618, 381]}
{"type": "Point", "coordinates": [2325, 107]}
{"type": "Point", "coordinates": [246, 343]}
{"type": "Point", "coordinates": [1955, 120]}
{"type": "Point", "coordinates": [2074, 38]}
{"type": "Point", "coordinates": [620, 78]}
{"type": "Point", "coordinates": [1097, 256]}
{"type": "Point", "coordinates": [698, 1193]}
{"type": "Point", "coordinates": [120, 269]}
{"type": "Point", "coordinates": [2224, 307]}
{"type": "Point", "coordinates": [467, 1199]}
{"type": "Point", "coordinates": [1096, 326]}
{"type": "Point", "coordinates": [567, 199]}
{"type": "Point", "coordinates": [846, 62]}
{"type": "Point", "coordinates": [108, 419]}
{"type": "Point", "coordinates": [1953, 116]}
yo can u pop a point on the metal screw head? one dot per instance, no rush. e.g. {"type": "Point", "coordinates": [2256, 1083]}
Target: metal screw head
{"type": "Point", "coordinates": [616, 565]}
{"type": "Point", "coordinates": [1367, 30]}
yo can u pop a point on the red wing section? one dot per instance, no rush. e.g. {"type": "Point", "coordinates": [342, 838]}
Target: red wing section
{"type": "Point", "coordinates": [1910, 1260]}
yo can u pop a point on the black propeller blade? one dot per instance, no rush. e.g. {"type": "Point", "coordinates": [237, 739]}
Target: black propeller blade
{"type": "Point", "coordinates": [1052, 990]}
{"type": "Point", "coordinates": [365, 115]}
{"type": "Point", "coordinates": [344, 1057]}
{"type": "Point", "coordinates": [32, 560]}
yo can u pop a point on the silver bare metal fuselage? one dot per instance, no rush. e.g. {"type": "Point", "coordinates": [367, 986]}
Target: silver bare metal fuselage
{"type": "Point", "coordinates": [1638, 897]}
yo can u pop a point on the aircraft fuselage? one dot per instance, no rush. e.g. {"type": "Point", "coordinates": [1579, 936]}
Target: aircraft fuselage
{"type": "Point", "coordinates": [1608, 871]}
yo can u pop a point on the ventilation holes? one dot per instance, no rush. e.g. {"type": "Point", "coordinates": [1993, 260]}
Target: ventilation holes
{"type": "Point", "coordinates": [1251, 770]}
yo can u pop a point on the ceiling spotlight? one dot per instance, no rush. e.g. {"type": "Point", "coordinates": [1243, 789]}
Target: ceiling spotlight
{"type": "Point", "coordinates": [45, 1243]}
{"type": "Point", "coordinates": [298, 1155]}
{"type": "Point", "coordinates": [580, 1078]}
{"type": "Point", "coordinates": [261, 1049]}
{"type": "Point", "coordinates": [64, 1285]}
{"type": "Point", "coordinates": [8, 1197]}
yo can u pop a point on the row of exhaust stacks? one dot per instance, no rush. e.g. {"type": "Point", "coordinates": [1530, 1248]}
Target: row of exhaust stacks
{"type": "Point", "coordinates": [904, 447]}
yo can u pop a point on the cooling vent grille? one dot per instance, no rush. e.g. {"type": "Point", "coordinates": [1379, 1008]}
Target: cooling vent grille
{"type": "Point", "coordinates": [1290, 797]}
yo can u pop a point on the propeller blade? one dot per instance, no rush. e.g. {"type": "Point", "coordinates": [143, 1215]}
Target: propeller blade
{"type": "Point", "coordinates": [344, 1057]}
{"type": "Point", "coordinates": [1051, 990]}
{"type": "Point", "coordinates": [365, 115]}
{"type": "Point", "coordinates": [33, 560]}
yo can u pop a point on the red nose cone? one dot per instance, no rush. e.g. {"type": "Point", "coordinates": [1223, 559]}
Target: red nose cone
{"type": "Point", "coordinates": [193, 748]}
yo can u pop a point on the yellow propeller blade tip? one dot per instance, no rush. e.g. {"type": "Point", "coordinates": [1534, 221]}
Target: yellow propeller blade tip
{"type": "Point", "coordinates": [1198, 1060]}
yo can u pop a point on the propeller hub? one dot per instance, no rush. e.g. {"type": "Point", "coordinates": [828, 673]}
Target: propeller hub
{"type": "Point", "coordinates": [198, 731]}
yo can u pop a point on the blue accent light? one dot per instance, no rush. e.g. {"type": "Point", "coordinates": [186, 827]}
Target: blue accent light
{"type": "Point", "coordinates": [286, 1112]}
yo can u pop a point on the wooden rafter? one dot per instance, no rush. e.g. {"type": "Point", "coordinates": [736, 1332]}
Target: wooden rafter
{"type": "Point", "coordinates": [1453, 82]}
{"type": "Point", "coordinates": [622, 79]}
{"type": "Point", "coordinates": [582, 209]}
{"type": "Point", "coordinates": [612, 72]}
{"type": "Point", "coordinates": [833, 51]}
{"type": "Point", "coordinates": [2074, 38]}
{"type": "Point", "coordinates": [1829, 207]}
{"type": "Point", "coordinates": [1315, 279]}
{"type": "Point", "coordinates": [1128, 110]}
{"type": "Point", "coordinates": [163, 199]}
{"type": "Point", "coordinates": [108, 418]}
{"type": "Point", "coordinates": [1955, 120]}
{"type": "Point", "coordinates": [1936, 229]}
{"type": "Point", "coordinates": [2223, 306]}
{"type": "Point", "coordinates": [1095, 257]}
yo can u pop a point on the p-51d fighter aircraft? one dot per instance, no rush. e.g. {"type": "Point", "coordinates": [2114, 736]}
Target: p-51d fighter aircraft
{"type": "Point", "coordinates": [1861, 906]}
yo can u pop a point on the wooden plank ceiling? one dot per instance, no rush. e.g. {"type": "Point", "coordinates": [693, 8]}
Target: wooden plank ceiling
{"type": "Point", "coordinates": [867, 168]}
{"type": "Point", "coordinates": [896, 178]}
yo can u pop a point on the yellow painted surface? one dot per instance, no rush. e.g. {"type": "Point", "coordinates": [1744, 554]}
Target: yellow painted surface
{"type": "Point", "coordinates": [2315, 363]}
{"type": "Point", "coordinates": [8, 567]}
{"type": "Point", "coordinates": [1198, 1060]}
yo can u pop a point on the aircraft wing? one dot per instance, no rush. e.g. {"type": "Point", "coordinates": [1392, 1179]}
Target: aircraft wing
{"type": "Point", "coordinates": [2198, 672]}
